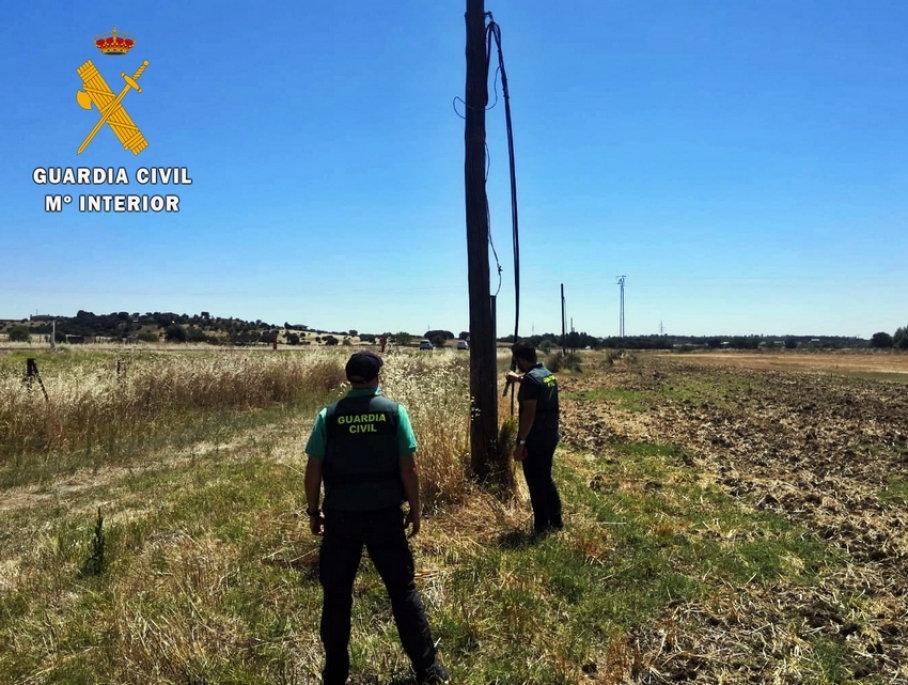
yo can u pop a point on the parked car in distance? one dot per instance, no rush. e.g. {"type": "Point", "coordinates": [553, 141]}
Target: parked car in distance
{"type": "Point", "coordinates": [463, 345]}
{"type": "Point", "coordinates": [425, 345]}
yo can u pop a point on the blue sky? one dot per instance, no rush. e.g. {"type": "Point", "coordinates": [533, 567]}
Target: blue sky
{"type": "Point", "coordinates": [742, 163]}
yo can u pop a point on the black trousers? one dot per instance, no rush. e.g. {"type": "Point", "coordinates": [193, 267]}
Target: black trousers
{"type": "Point", "coordinates": [537, 469]}
{"type": "Point", "coordinates": [384, 536]}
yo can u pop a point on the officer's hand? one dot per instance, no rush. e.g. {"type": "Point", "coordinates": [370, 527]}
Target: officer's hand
{"type": "Point", "coordinates": [414, 518]}
{"type": "Point", "coordinates": [520, 453]}
{"type": "Point", "coordinates": [512, 377]}
{"type": "Point", "coordinates": [316, 523]}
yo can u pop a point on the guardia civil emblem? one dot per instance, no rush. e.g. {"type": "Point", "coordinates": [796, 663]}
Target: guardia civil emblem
{"type": "Point", "coordinates": [98, 93]}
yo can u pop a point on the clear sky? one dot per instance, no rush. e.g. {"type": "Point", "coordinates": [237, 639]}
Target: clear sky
{"type": "Point", "coordinates": [742, 163]}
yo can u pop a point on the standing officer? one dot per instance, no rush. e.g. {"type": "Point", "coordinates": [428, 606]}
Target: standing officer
{"type": "Point", "coordinates": [537, 435]}
{"type": "Point", "coordinates": [363, 446]}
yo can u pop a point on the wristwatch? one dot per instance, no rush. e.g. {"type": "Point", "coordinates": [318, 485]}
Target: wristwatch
{"type": "Point", "coordinates": [521, 442]}
{"type": "Point", "coordinates": [313, 513]}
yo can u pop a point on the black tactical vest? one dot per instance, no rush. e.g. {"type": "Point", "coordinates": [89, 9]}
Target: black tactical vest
{"type": "Point", "coordinates": [361, 466]}
{"type": "Point", "coordinates": [545, 423]}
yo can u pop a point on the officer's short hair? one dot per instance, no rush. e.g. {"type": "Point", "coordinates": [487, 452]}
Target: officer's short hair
{"type": "Point", "coordinates": [363, 366]}
{"type": "Point", "coordinates": [524, 350]}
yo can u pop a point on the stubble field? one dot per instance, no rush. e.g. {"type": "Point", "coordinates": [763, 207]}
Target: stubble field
{"type": "Point", "coordinates": [820, 440]}
{"type": "Point", "coordinates": [730, 518]}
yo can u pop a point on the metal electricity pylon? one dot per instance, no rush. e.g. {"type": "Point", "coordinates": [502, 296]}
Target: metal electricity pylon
{"type": "Point", "coordinates": [621, 320]}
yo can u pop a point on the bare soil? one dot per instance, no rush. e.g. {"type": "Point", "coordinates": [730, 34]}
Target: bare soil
{"type": "Point", "coordinates": [846, 362]}
{"type": "Point", "coordinates": [808, 437]}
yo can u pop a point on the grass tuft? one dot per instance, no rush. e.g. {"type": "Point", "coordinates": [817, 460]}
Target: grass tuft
{"type": "Point", "coordinates": [96, 563]}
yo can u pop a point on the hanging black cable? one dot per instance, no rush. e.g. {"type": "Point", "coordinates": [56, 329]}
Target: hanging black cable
{"type": "Point", "coordinates": [493, 30]}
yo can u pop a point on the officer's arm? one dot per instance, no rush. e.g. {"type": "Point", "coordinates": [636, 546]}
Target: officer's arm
{"type": "Point", "coordinates": [527, 415]}
{"type": "Point", "coordinates": [313, 482]}
{"type": "Point", "coordinates": [410, 477]}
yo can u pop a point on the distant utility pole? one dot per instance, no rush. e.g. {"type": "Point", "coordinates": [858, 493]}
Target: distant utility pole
{"type": "Point", "coordinates": [621, 320]}
{"type": "Point", "coordinates": [563, 335]}
{"type": "Point", "coordinates": [483, 361]}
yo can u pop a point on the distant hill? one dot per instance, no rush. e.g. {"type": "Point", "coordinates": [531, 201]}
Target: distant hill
{"type": "Point", "coordinates": [170, 326]}
{"type": "Point", "coordinates": [161, 326]}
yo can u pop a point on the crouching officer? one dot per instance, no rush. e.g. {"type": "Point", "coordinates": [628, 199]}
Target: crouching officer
{"type": "Point", "coordinates": [363, 446]}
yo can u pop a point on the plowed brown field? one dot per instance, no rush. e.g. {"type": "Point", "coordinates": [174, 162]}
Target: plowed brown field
{"type": "Point", "coordinates": [819, 439]}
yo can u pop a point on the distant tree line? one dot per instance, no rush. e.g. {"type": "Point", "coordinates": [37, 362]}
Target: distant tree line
{"type": "Point", "coordinates": [898, 340]}
{"type": "Point", "coordinates": [179, 328]}
{"type": "Point", "coordinates": [579, 340]}
{"type": "Point", "coordinates": [155, 326]}
{"type": "Point", "coordinates": [198, 328]}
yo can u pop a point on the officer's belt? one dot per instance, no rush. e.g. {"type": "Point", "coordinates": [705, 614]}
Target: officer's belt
{"type": "Point", "coordinates": [360, 478]}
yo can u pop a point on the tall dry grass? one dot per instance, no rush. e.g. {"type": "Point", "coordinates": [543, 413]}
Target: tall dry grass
{"type": "Point", "coordinates": [90, 406]}
{"type": "Point", "coordinates": [435, 389]}
{"type": "Point", "coordinates": [98, 404]}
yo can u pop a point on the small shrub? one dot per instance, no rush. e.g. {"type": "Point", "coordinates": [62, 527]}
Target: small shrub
{"type": "Point", "coordinates": [563, 362]}
{"type": "Point", "coordinates": [611, 356]}
{"type": "Point", "coordinates": [19, 334]}
{"type": "Point", "coordinates": [175, 333]}
{"type": "Point", "coordinates": [196, 335]}
{"type": "Point", "coordinates": [626, 358]}
{"type": "Point", "coordinates": [881, 339]}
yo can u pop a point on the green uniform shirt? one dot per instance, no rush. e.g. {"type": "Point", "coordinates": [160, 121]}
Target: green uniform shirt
{"type": "Point", "coordinates": [318, 440]}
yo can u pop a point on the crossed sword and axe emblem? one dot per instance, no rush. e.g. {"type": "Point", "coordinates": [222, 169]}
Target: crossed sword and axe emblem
{"type": "Point", "coordinates": [97, 92]}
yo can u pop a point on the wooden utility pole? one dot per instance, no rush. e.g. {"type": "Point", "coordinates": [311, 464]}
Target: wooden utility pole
{"type": "Point", "coordinates": [483, 362]}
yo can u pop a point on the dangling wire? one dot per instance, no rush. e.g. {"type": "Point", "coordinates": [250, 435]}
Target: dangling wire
{"type": "Point", "coordinates": [493, 30]}
{"type": "Point", "coordinates": [489, 222]}
{"type": "Point", "coordinates": [498, 266]}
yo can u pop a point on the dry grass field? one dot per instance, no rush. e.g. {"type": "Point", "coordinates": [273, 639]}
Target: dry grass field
{"type": "Point", "coordinates": [846, 362]}
{"type": "Point", "coordinates": [731, 518]}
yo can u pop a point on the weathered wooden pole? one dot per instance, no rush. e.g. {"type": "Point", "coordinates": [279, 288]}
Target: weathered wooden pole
{"type": "Point", "coordinates": [483, 362]}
